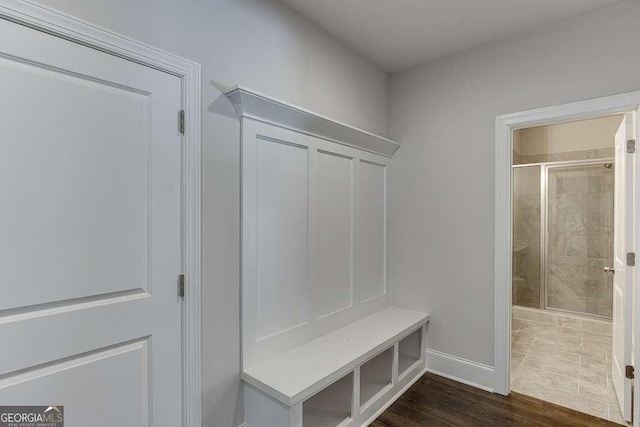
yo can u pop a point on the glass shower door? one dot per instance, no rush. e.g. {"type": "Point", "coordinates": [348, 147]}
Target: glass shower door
{"type": "Point", "coordinates": [579, 238]}
{"type": "Point", "coordinates": [527, 208]}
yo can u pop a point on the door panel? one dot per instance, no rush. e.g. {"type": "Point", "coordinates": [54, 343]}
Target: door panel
{"type": "Point", "coordinates": [80, 183]}
{"type": "Point", "coordinates": [112, 386]}
{"type": "Point", "coordinates": [623, 278]}
{"type": "Point", "coordinates": [90, 251]}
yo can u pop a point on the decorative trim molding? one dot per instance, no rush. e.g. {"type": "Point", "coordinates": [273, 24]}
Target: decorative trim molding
{"type": "Point", "coordinates": [34, 15]}
{"type": "Point", "coordinates": [255, 105]}
{"type": "Point", "coordinates": [462, 370]}
{"type": "Point", "coordinates": [505, 124]}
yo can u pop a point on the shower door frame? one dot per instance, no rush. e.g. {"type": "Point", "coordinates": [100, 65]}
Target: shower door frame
{"type": "Point", "coordinates": [544, 226]}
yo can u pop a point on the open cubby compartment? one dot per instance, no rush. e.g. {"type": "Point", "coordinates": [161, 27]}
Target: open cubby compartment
{"type": "Point", "coordinates": [409, 351]}
{"type": "Point", "coordinates": [330, 407]}
{"type": "Point", "coordinates": [376, 377]}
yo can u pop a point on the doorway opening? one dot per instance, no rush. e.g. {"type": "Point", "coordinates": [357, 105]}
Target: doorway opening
{"type": "Point", "coordinates": [563, 188]}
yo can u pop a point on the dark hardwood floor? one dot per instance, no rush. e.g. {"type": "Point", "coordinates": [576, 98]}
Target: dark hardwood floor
{"type": "Point", "coordinates": [437, 401]}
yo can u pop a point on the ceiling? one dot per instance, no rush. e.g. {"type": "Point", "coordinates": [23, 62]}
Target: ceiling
{"type": "Point", "coordinates": [399, 34]}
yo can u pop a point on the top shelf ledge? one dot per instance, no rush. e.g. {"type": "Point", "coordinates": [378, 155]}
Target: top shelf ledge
{"type": "Point", "coordinates": [258, 106]}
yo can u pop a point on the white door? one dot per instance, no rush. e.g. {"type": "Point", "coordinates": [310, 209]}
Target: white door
{"type": "Point", "coordinates": [90, 316]}
{"type": "Point", "coordinates": [623, 277]}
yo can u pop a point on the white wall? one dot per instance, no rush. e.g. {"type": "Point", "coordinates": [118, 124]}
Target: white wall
{"type": "Point", "coordinates": [267, 47]}
{"type": "Point", "coordinates": [580, 135]}
{"type": "Point", "coordinates": [442, 179]}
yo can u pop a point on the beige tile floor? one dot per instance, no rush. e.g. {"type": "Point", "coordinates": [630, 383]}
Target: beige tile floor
{"type": "Point", "coordinates": [566, 366]}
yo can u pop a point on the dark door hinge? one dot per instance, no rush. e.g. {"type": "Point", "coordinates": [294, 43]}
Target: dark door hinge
{"type": "Point", "coordinates": [631, 146]}
{"type": "Point", "coordinates": [181, 122]}
{"type": "Point", "coordinates": [181, 286]}
{"type": "Point", "coordinates": [629, 372]}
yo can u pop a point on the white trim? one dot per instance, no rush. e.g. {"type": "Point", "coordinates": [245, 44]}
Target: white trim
{"type": "Point", "coordinates": [45, 19]}
{"type": "Point", "coordinates": [267, 109]}
{"type": "Point", "coordinates": [462, 370]}
{"type": "Point", "coordinates": [505, 124]}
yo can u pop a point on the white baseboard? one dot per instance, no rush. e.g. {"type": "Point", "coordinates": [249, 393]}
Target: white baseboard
{"type": "Point", "coordinates": [462, 370]}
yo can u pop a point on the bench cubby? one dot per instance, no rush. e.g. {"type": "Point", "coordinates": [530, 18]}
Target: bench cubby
{"type": "Point", "coordinates": [409, 352]}
{"type": "Point", "coordinates": [330, 407]}
{"type": "Point", "coordinates": [376, 377]}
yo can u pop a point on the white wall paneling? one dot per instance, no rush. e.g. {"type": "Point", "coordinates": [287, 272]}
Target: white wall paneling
{"type": "Point", "coordinates": [373, 201]}
{"type": "Point", "coordinates": [299, 216]}
{"type": "Point", "coordinates": [335, 232]}
{"type": "Point", "coordinates": [282, 226]}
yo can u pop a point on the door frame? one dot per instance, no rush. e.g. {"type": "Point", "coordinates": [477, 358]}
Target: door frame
{"type": "Point", "coordinates": [51, 21]}
{"type": "Point", "coordinates": [505, 125]}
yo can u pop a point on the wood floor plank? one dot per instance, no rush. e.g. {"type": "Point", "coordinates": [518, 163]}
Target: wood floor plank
{"type": "Point", "coordinates": [437, 401]}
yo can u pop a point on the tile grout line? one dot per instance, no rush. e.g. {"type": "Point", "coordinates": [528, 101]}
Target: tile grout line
{"type": "Point", "coordinates": [578, 383]}
{"type": "Point", "coordinates": [557, 351]}
{"type": "Point", "coordinates": [570, 334]}
{"type": "Point", "coordinates": [561, 326]}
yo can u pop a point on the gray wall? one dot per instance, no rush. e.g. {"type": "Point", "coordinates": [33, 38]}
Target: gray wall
{"type": "Point", "coordinates": [442, 179]}
{"type": "Point", "coordinates": [267, 47]}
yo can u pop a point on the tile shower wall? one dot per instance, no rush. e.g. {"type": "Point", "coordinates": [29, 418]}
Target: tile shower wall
{"type": "Point", "coordinates": [526, 236]}
{"type": "Point", "coordinates": [580, 227]}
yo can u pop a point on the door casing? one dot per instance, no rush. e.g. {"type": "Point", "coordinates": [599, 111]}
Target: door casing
{"type": "Point", "coordinates": [48, 20]}
{"type": "Point", "coordinates": [504, 127]}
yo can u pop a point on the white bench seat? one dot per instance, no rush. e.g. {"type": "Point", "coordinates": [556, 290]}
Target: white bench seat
{"type": "Point", "coordinates": [300, 373]}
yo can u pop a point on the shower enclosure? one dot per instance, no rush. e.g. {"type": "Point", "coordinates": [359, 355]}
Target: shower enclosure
{"type": "Point", "coordinates": [563, 236]}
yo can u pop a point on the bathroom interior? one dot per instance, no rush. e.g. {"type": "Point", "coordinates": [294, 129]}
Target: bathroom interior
{"type": "Point", "coordinates": [563, 226]}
